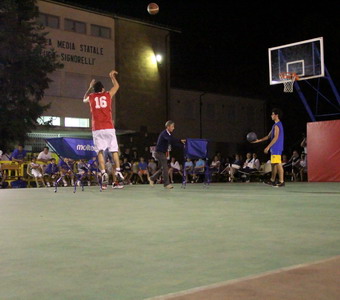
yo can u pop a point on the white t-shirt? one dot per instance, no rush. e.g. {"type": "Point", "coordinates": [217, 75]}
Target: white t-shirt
{"type": "Point", "coordinates": [175, 165]}
{"type": "Point", "coordinates": [43, 155]}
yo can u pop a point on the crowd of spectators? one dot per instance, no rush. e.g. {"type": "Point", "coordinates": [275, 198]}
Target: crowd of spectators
{"type": "Point", "coordinates": [45, 170]}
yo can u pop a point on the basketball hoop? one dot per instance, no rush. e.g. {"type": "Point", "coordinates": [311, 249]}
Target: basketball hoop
{"type": "Point", "coordinates": [288, 79]}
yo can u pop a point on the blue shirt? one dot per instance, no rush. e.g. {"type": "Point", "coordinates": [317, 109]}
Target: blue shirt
{"type": "Point", "coordinates": [200, 163]}
{"type": "Point", "coordinates": [51, 169]}
{"type": "Point", "coordinates": [277, 148]}
{"type": "Point", "coordinates": [18, 154]}
{"type": "Point", "coordinates": [143, 165]}
{"type": "Point", "coordinates": [63, 165]}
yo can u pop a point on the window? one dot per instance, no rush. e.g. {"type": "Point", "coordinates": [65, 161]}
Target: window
{"type": "Point", "coordinates": [100, 31]}
{"type": "Point", "coordinates": [49, 20]}
{"type": "Point", "coordinates": [77, 122]}
{"type": "Point", "coordinates": [76, 26]}
{"type": "Point", "coordinates": [44, 120]}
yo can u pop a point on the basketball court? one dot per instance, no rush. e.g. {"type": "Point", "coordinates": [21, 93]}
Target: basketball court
{"type": "Point", "coordinates": [227, 241]}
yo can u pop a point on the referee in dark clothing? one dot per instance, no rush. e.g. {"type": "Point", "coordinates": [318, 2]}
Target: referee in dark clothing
{"type": "Point", "coordinates": [164, 140]}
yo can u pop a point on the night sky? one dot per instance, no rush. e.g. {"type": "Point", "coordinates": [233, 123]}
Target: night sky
{"type": "Point", "coordinates": [223, 47]}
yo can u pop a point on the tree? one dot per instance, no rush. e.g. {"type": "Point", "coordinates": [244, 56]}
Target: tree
{"type": "Point", "coordinates": [25, 62]}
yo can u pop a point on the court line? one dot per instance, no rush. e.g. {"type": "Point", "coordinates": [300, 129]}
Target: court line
{"type": "Point", "coordinates": [233, 281]}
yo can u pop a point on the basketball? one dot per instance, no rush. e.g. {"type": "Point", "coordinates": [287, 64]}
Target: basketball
{"type": "Point", "coordinates": [153, 8]}
{"type": "Point", "coordinates": [251, 137]}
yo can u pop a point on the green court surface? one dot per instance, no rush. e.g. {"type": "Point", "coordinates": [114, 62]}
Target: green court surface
{"type": "Point", "coordinates": [142, 242]}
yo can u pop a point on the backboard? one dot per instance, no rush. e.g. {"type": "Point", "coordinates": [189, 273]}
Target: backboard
{"type": "Point", "coordinates": [303, 58]}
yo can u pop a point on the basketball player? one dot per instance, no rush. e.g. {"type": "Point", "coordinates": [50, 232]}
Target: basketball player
{"type": "Point", "coordinates": [103, 131]}
{"type": "Point", "coordinates": [165, 139]}
{"type": "Point", "coordinates": [276, 135]}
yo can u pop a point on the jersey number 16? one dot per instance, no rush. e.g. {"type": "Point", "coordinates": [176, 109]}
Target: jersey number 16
{"type": "Point", "coordinates": [100, 102]}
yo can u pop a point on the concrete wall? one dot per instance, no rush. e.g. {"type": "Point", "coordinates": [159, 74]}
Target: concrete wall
{"type": "Point", "coordinates": [224, 119]}
{"type": "Point", "coordinates": [141, 100]}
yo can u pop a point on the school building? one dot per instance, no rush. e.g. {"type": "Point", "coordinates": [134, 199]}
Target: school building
{"type": "Point", "coordinates": [90, 44]}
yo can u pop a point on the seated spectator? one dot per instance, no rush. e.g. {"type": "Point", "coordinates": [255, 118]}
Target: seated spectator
{"type": "Point", "coordinates": [251, 165]}
{"type": "Point", "coordinates": [303, 166]}
{"type": "Point", "coordinates": [189, 169]}
{"type": "Point", "coordinates": [84, 173]}
{"type": "Point", "coordinates": [3, 183]}
{"type": "Point", "coordinates": [175, 168]}
{"type": "Point", "coordinates": [19, 154]}
{"type": "Point", "coordinates": [233, 167]}
{"type": "Point", "coordinates": [215, 165]}
{"type": "Point", "coordinates": [199, 169]}
{"type": "Point", "coordinates": [126, 154]}
{"type": "Point", "coordinates": [142, 169]}
{"type": "Point", "coordinates": [127, 170]}
{"type": "Point", "coordinates": [35, 170]}
{"type": "Point", "coordinates": [293, 165]}
{"type": "Point", "coordinates": [51, 173]}
{"type": "Point", "coordinates": [65, 169]}
{"type": "Point", "coordinates": [135, 169]}
{"type": "Point", "coordinates": [93, 165]}
{"type": "Point", "coordinates": [152, 166]}
{"type": "Point", "coordinates": [45, 155]}
{"type": "Point", "coordinates": [5, 156]}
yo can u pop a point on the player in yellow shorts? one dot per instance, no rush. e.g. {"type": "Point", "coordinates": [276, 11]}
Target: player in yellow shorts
{"type": "Point", "coordinates": [276, 135]}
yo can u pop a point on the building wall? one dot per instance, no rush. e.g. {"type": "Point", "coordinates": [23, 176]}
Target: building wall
{"type": "Point", "coordinates": [141, 101]}
{"type": "Point", "coordinates": [224, 119]}
{"type": "Point", "coordinates": [84, 57]}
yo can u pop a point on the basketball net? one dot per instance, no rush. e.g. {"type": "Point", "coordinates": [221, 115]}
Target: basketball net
{"type": "Point", "coordinates": [288, 79]}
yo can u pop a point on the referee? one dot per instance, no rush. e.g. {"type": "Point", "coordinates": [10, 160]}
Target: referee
{"type": "Point", "coordinates": [164, 140]}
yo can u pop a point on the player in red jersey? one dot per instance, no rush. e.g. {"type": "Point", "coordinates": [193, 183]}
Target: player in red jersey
{"type": "Point", "coordinates": [103, 131]}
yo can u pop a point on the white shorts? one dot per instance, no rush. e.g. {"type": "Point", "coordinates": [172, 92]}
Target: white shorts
{"type": "Point", "coordinates": [36, 173]}
{"type": "Point", "coordinates": [105, 139]}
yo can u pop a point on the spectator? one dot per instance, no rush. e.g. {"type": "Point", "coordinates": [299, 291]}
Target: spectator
{"type": "Point", "coordinates": [93, 165]}
{"type": "Point", "coordinates": [189, 169]}
{"type": "Point", "coordinates": [198, 169]}
{"type": "Point", "coordinates": [142, 169]}
{"type": "Point", "coordinates": [65, 169]}
{"type": "Point", "coordinates": [152, 166]}
{"type": "Point", "coordinates": [5, 156]}
{"type": "Point", "coordinates": [19, 154]}
{"type": "Point", "coordinates": [84, 173]}
{"type": "Point", "coordinates": [45, 155]}
{"type": "Point", "coordinates": [294, 165]}
{"type": "Point", "coordinates": [127, 170]}
{"type": "Point", "coordinates": [135, 169]}
{"type": "Point", "coordinates": [251, 165]}
{"type": "Point", "coordinates": [3, 183]}
{"type": "Point", "coordinates": [303, 166]}
{"type": "Point", "coordinates": [175, 168]}
{"type": "Point", "coordinates": [35, 170]}
{"type": "Point", "coordinates": [215, 165]}
{"type": "Point", "coordinates": [234, 167]}
{"type": "Point", "coordinates": [51, 173]}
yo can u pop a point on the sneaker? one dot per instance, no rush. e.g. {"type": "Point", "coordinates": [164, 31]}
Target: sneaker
{"type": "Point", "coordinates": [105, 178]}
{"type": "Point", "coordinates": [169, 186]}
{"type": "Point", "coordinates": [279, 184]}
{"type": "Point", "coordinates": [120, 176]}
{"type": "Point", "coordinates": [65, 183]}
{"type": "Point", "coordinates": [117, 186]}
{"type": "Point", "coordinates": [269, 182]}
{"type": "Point", "coordinates": [89, 183]}
{"type": "Point", "coordinates": [48, 184]}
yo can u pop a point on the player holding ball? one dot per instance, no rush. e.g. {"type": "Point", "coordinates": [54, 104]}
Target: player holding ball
{"type": "Point", "coordinates": [276, 135]}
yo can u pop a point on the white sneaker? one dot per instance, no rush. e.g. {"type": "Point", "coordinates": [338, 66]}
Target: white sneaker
{"type": "Point", "coordinates": [65, 183]}
{"type": "Point", "coordinates": [105, 178]}
{"type": "Point", "coordinates": [120, 176]}
{"type": "Point", "coordinates": [48, 184]}
{"type": "Point", "coordinates": [117, 186]}
{"type": "Point", "coordinates": [89, 183]}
